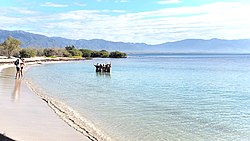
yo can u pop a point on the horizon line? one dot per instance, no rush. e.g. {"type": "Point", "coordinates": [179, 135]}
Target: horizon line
{"type": "Point", "coordinates": [124, 41]}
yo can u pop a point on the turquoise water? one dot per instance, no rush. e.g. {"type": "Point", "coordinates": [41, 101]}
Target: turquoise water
{"type": "Point", "coordinates": [157, 96]}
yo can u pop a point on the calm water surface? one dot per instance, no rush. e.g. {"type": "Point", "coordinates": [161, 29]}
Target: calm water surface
{"type": "Point", "coordinates": [157, 96]}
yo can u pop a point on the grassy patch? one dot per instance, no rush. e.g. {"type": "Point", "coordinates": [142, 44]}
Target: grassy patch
{"type": "Point", "coordinates": [77, 57]}
{"type": "Point", "coordinates": [52, 57]}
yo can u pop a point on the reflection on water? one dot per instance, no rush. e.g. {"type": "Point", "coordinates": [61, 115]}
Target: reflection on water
{"type": "Point", "coordinates": [16, 92]}
{"type": "Point", "coordinates": [9, 85]}
{"type": "Point", "coordinates": [7, 79]}
{"type": "Point", "coordinates": [103, 74]}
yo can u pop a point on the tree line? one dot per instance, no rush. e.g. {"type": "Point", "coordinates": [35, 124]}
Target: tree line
{"type": "Point", "coordinates": [11, 47]}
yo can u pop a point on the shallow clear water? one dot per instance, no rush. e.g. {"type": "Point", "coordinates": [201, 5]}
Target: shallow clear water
{"type": "Point", "coordinates": [157, 96]}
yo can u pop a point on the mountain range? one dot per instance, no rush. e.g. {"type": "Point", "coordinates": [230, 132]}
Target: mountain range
{"type": "Point", "coordinates": [183, 46]}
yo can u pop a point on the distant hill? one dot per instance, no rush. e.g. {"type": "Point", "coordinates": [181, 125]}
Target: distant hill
{"type": "Point", "coordinates": [209, 46]}
{"type": "Point", "coordinates": [183, 46]}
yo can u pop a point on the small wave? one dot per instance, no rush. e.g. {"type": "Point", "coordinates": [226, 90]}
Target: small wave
{"type": "Point", "coordinates": [70, 116]}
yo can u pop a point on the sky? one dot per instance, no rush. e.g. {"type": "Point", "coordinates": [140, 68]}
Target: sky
{"type": "Point", "coordinates": [135, 21]}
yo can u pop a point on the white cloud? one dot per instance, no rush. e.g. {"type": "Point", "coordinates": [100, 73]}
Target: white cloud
{"type": "Point", "coordinates": [119, 11]}
{"type": "Point", "coordinates": [51, 4]}
{"type": "Point", "coordinates": [226, 20]}
{"type": "Point", "coordinates": [80, 4]}
{"type": "Point", "coordinates": [23, 10]}
{"type": "Point", "coordinates": [168, 1]}
{"type": "Point", "coordinates": [113, 11]}
{"type": "Point", "coordinates": [15, 10]}
{"type": "Point", "coordinates": [9, 21]}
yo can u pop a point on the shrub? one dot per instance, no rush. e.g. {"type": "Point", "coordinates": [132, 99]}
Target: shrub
{"type": "Point", "coordinates": [15, 53]}
{"type": "Point", "coordinates": [27, 53]}
{"type": "Point", "coordinates": [49, 52]}
{"type": "Point", "coordinates": [59, 52]}
{"type": "Point", "coordinates": [86, 52]}
{"type": "Point", "coordinates": [70, 47]}
{"type": "Point", "coordinates": [75, 52]}
{"type": "Point", "coordinates": [117, 54]}
{"type": "Point", "coordinates": [104, 54]}
{"type": "Point", "coordinates": [2, 51]}
{"type": "Point", "coordinates": [95, 54]}
{"type": "Point", "coordinates": [66, 53]}
{"type": "Point", "coordinates": [40, 52]}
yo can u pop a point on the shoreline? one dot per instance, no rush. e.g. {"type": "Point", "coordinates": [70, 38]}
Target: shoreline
{"type": "Point", "coordinates": [67, 114]}
{"type": "Point", "coordinates": [70, 116]}
{"type": "Point", "coordinates": [5, 61]}
{"type": "Point", "coordinates": [8, 131]}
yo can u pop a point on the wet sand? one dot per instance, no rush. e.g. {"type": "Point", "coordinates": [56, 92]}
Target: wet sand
{"type": "Point", "coordinates": [26, 117]}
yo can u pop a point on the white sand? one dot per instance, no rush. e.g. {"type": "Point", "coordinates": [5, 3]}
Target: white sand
{"type": "Point", "coordinates": [25, 117]}
{"type": "Point", "coordinates": [5, 66]}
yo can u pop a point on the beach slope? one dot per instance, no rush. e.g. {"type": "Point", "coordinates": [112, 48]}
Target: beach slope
{"type": "Point", "coordinates": [26, 117]}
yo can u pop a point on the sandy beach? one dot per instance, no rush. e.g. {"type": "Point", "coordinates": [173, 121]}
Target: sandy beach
{"type": "Point", "coordinates": [25, 116]}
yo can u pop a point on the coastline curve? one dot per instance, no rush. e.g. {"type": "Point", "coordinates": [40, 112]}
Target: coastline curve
{"type": "Point", "coordinates": [69, 115]}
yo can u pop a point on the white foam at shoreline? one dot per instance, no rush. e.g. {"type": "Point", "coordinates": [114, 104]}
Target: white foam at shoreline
{"type": "Point", "coordinates": [70, 116]}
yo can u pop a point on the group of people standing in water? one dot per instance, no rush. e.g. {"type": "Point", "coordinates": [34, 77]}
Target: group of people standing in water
{"type": "Point", "coordinates": [19, 63]}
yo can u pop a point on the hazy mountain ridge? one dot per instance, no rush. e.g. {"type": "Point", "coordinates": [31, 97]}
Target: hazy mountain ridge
{"type": "Point", "coordinates": [183, 46]}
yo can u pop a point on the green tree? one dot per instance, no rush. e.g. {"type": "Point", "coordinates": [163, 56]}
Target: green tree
{"type": "Point", "coordinates": [2, 51]}
{"type": "Point", "coordinates": [10, 45]}
{"type": "Point", "coordinates": [40, 52]}
{"type": "Point", "coordinates": [86, 52]}
{"type": "Point", "coordinates": [27, 53]}
{"type": "Point", "coordinates": [48, 52]}
{"type": "Point", "coordinates": [75, 52]}
{"type": "Point", "coordinates": [117, 54]}
{"type": "Point", "coordinates": [95, 54]}
{"type": "Point", "coordinates": [68, 48]}
{"type": "Point", "coordinates": [66, 53]}
{"type": "Point", "coordinates": [59, 52]}
{"type": "Point", "coordinates": [104, 54]}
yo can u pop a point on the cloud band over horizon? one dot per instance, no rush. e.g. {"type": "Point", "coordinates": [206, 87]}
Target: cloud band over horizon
{"type": "Point", "coordinates": [225, 20]}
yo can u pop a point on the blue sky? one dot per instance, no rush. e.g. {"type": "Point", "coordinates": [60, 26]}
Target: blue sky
{"type": "Point", "coordinates": [138, 21]}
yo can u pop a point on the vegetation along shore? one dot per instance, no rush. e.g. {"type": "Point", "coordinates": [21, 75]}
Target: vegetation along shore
{"type": "Point", "coordinates": [11, 47]}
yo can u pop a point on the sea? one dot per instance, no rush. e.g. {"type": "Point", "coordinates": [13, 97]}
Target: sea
{"type": "Point", "coordinates": [155, 97]}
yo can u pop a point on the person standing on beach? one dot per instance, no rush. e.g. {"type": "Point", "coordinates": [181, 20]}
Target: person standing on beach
{"type": "Point", "coordinates": [18, 67]}
{"type": "Point", "coordinates": [22, 65]}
